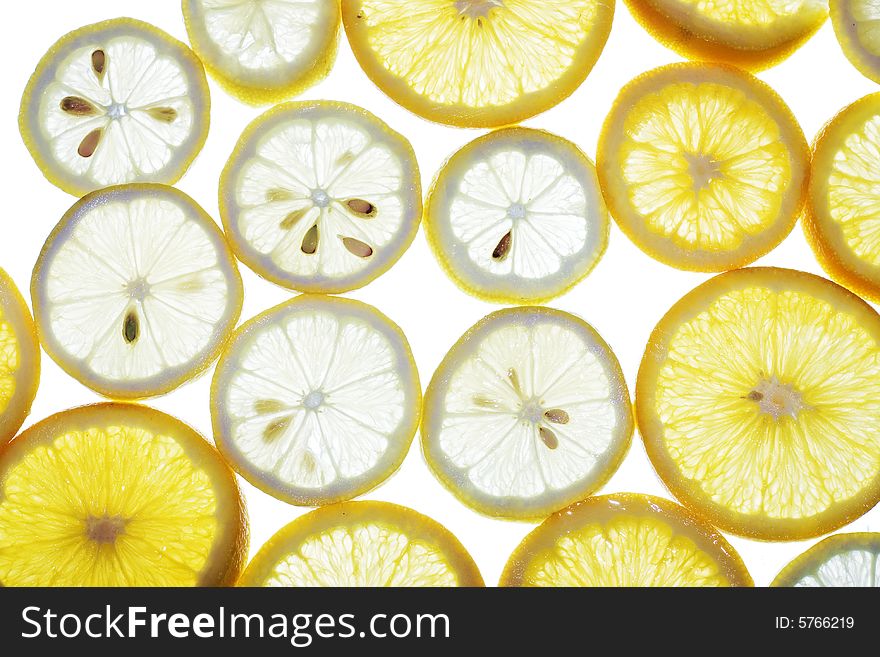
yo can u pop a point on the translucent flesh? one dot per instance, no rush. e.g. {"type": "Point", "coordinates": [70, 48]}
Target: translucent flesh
{"type": "Point", "coordinates": [794, 465]}
{"type": "Point", "coordinates": [140, 480]}
{"type": "Point", "coordinates": [479, 54]}
{"type": "Point", "coordinates": [866, 16]}
{"type": "Point", "coordinates": [703, 165]}
{"type": "Point", "coordinates": [844, 568]}
{"type": "Point", "coordinates": [9, 362]}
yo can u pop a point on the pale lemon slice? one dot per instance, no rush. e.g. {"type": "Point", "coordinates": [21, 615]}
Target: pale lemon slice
{"type": "Point", "coordinates": [756, 400]}
{"type": "Point", "coordinates": [135, 290]}
{"type": "Point", "coordinates": [703, 166]}
{"type": "Point", "coordinates": [316, 400]}
{"type": "Point", "coordinates": [264, 52]}
{"type": "Point", "coordinates": [842, 222]}
{"type": "Point", "coordinates": [363, 544]}
{"type": "Point", "coordinates": [115, 102]}
{"type": "Point", "coordinates": [517, 216]}
{"type": "Point", "coordinates": [528, 412]}
{"type": "Point", "coordinates": [843, 560]}
{"type": "Point", "coordinates": [625, 540]}
{"type": "Point", "coordinates": [320, 196]}
{"type": "Point", "coordinates": [19, 359]}
{"type": "Point", "coordinates": [857, 27]}
{"type": "Point", "coordinates": [751, 34]}
{"type": "Point", "coordinates": [118, 495]}
{"type": "Point", "coordinates": [477, 63]}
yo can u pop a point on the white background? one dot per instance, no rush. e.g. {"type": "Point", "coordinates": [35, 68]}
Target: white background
{"type": "Point", "coordinates": [623, 298]}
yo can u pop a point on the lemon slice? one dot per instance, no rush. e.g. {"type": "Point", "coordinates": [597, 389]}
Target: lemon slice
{"type": "Point", "coordinates": [703, 166]}
{"type": "Point", "coordinates": [115, 102]}
{"type": "Point", "coordinates": [857, 27]}
{"type": "Point", "coordinates": [477, 63]}
{"type": "Point", "coordinates": [363, 544]}
{"type": "Point", "coordinates": [264, 52]}
{"type": "Point", "coordinates": [316, 400]}
{"type": "Point", "coordinates": [842, 222]}
{"type": "Point", "coordinates": [19, 359]}
{"type": "Point", "coordinates": [844, 560]}
{"type": "Point", "coordinates": [135, 290]}
{"type": "Point", "coordinates": [625, 540]}
{"type": "Point", "coordinates": [320, 196]}
{"type": "Point", "coordinates": [528, 412]}
{"type": "Point", "coordinates": [751, 34]}
{"type": "Point", "coordinates": [756, 400]}
{"type": "Point", "coordinates": [517, 216]}
{"type": "Point", "coordinates": [118, 495]}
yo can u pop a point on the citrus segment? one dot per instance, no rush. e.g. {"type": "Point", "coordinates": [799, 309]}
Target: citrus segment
{"type": "Point", "coordinates": [320, 196]}
{"type": "Point", "coordinates": [115, 102]}
{"type": "Point", "coordinates": [264, 52]}
{"type": "Point", "coordinates": [117, 495]}
{"type": "Point", "coordinates": [703, 166]}
{"type": "Point", "coordinates": [751, 34]}
{"type": "Point", "coordinates": [477, 63]}
{"type": "Point", "coordinates": [528, 412]}
{"type": "Point", "coordinates": [857, 27]}
{"type": "Point", "coordinates": [756, 402]}
{"type": "Point", "coordinates": [135, 290]}
{"type": "Point", "coordinates": [19, 359]}
{"type": "Point", "coordinates": [517, 216]}
{"type": "Point", "coordinates": [842, 223]}
{"type": "Point", "coordinates": [317, 400]}
{"type": "Point", "coordinates": [624, 540]}
{"type": "Point", "coordinates": [843, 560]}
{"type": "Point", "coordinates": [363, 544]}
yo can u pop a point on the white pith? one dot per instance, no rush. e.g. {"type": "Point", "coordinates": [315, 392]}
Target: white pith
{"type": "Point", "coordinates": [845, 568]}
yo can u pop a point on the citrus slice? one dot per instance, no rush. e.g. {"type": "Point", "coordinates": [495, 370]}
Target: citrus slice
{"type": "Point", "coordinates": [477, 63]}
{"type": "Point", "coordinates": [857, 27]}
{"type": "Point", "coordinates": [751, 34]}
{"type": "Point", "coordinates": [703, 166]}
{"type": "Point", "coordinates": [135, 290]}
{"type": "Point", "coordinates": [528, 412]}
{"type": "Point", "coordinates": [320, 196]}
{"type": "Point", "coordinates": [625, 540]}
{"type": "Point", "coordinates": [843, 560]}
{"type": "Point", "coordinates": [362, 544]}
{"type": "Point", "coordinates": [264, 52]}
{"type": "Point", "coordinates": [842, 222]}
{"type": "Point", "coordinates": [316, 400]}
{"type": "Point", "coordinates": [517, 216]}
{"type": "Point", "coordinates": [118, 495]}
{"type": "Point", "coordinates": [115, 102]}
{"type": "Point", "coordinates": [756, 401]}
{"type": "Point", "coordinates": [19, 359]}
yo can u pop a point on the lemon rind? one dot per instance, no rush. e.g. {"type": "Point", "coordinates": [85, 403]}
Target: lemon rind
{"type": "Point", "coordinates": [818, 554]}
{"type": "Point", "coordinates": [15, 311]}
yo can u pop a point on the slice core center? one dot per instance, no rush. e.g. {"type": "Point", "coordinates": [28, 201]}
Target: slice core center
{"type": "Point", "coordinates": [777, 399]}
{"type": "Point", "coordinates": [105, 529]}
{"type": "Point", "coordinates": [703, 169]}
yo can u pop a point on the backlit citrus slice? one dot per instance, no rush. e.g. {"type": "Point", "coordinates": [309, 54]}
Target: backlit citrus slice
{"type": "Point", "coordinates": [527, 413]}
{"type": "Point", "coordinates": [362, 544]}
{"type": "Point", "coordinates": [316, 400]}
{"type": "Point", "coordinates": [264, 52]}
{"type": "Point", "coordinates": [625, 540]}
{"type": "Point", "coordinates": [320, 196]}
{"type": "Point", "coordinates": [756, 400]}
{"type": "Point", "coordinates": [857, 27]}
{"type": "Point", "coordinates": [850, 560]}
{"type": "Point", "coordinates": [115, 102]}
{"type": "Point", "coordinates": [118, 495]}
{"type": "Point", "coordinates": [19, 359]}
{"type": "Point", "coordinates": [751, 34]}
{"type": "Point", "coordinates": [477, 63]}
{"type": "Point", "coordinates": [703, 166]}
{"type": "Point", "coordinates": [842, 222]}
{"type": "Point", "coordinates": [135, 290]}
{"type": "Point", "coordinates": [517, 216]}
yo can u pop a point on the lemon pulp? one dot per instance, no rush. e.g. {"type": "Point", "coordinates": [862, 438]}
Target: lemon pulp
{"type": "Point", "coordinates": [857, 27]}
{"type": "Point", "coordinates": [19, 359]}
{"type": "Point", "coordinates": [842, 560]}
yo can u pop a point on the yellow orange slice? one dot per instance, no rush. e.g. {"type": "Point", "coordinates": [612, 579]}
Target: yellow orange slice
{"type": "Point", "coordinates": [19, 359]}
{"type": "Point", "coordinates": [842, 560]}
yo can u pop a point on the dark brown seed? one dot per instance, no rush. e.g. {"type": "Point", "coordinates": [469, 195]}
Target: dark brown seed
{"type": "Point", "coordinates": [291, 219]}
{"type": "Point", "coordinates": [130, 327]}
{"type": "Point", "coordinates": [557, 416]}
{"type": "Point", "coordinates": [77, 106]}
{"type": "Point", "coordinates": [503, 247]}
{"type": "Point", "coordinates": [548, 438]}
{"type": "Point", "coordinates": [356, 247]}
{"type": "Point", "coordinates": [513, 377]}
{"type": "Point", "coordinates": [89, 144]}
{"type": "Point", "coordinates": [361, 207]}
{"type": "Point", "coordinates": [268, 406]}
{"type": "Point", "coordinates": [277, 194]}
{"type": "Point", "coordinates": [310, 241]}
{"type": "Point", "coordinates": [98, 62]}
{"type": "Point", "coordinates": [163, 114]}
{"type": "Point", "coordinates": [755, 396]}
{"type": "Point", "coordinates": [275, 428]}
